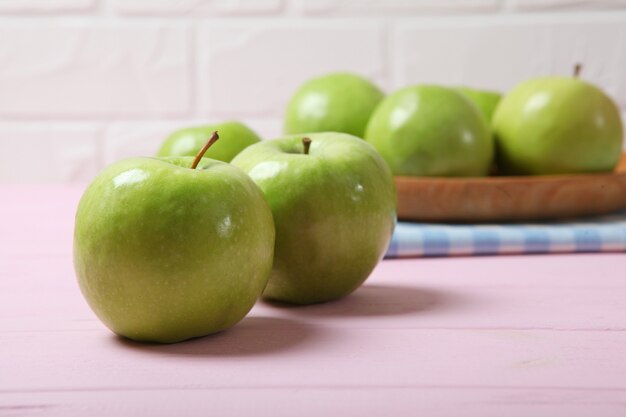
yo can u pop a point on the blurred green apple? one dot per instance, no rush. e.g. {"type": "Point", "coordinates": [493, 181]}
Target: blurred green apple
{"type": "Point", "coordinates": [188, 141]}
{"type": "Point", "coordinates": [429, 130]}
{"type": "Point", "coordinates": [487, 101]}
{"type": "Point", "coordinates": [334, 210]}
{"type": "Point", "coordinates": [557, 125]}
{"type": "Point", "coordinates": [338, 102]}
{"type": "Point", "coordinates": [164, 253]}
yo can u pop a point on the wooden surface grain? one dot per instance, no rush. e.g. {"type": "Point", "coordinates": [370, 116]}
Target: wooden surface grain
{"type": "Point", "coordinates": [471, 336]}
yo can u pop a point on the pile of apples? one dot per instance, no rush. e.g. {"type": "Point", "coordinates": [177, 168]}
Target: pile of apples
{"type": "Point", "coordinates": [543, 126]}
{"type": "Point", "coordinates": [173, 247]}
{"type": "Point", "coordinates": [183, 244]}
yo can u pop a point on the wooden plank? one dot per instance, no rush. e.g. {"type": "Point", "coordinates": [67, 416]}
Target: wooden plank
{"type": "Point", "coordinates": [272, 352]}
{"type": "Point", "coordinates": [345, 402]}
{"type": "Point", "coordinates": [37, 221]}
{"type": "Point", "coordinates": [392, 297]}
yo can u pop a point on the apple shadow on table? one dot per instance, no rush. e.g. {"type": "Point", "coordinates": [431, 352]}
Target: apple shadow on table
{"type": "Point", "coordinates": [251, 337]}
{"type": "Point", "coordinates": [380, 300]}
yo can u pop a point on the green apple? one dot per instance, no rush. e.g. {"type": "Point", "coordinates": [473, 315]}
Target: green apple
{"type": "Point", "coordinates": [429, 130]}
{"type": "Point", "coordinates": [338, 102]}
{"type": "Point", "coordinates": [188, 141]}
{"type": "Point", "coordinates": [557, 125]}
{"type": "Point", "coordinates": [334, 210]}
{"type": "Point", "coordinates": [487, 101]}
{"type": "Point", "coordinates": [164, 252]}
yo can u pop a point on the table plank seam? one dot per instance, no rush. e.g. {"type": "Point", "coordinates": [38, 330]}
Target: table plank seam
{"type": "Point", "coordinates": [319, 387]}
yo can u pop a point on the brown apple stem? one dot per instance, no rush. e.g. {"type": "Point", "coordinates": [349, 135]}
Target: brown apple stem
{"type": "Point", "coordinates": [214, 137]}
{"type": "Point", "coordinates": [577, 69]}
{"type": "Point", "coordinates": [306, 143]}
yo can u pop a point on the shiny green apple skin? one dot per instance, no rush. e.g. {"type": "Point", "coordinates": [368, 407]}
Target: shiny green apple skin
{"type": "Point", "coordinates": [338, 102]}
{"type": "Point", "coordinates": [334, 211]}
{"type": "Point", "coordinates": [429, 130]}
{"type": "Point", "coordinates": [557, 125]}
{"type": "Point", "coordinates": [234, 136]}
{"type": "Point", "coordinates": [486, 101]}
{"type": "Point", "coordinates": [164, 253]}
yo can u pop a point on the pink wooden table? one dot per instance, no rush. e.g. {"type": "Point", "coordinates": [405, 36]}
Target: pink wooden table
{"type": "Point", "coordinates": [484, 336]}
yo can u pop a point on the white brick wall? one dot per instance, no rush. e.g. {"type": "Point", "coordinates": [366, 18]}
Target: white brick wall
{"type": "Point", "coordinates": [76, 69]}
{"type": "Point", "coordinates": [198, 7]}
{"type": "Point", "coordinates": [46, 6]}
{"type": "Point", "coordinates": [48, 152]}
{"type": "Point", "coordinates": [86, 82]}
{"type": "Point", "coordinates": [497, 52]}
{"type": "Point", "coordinates": [395, 7]}
{"type": "Point", "coordinates": [251, 68]}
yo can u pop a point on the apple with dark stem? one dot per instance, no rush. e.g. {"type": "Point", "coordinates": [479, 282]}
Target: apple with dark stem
{"type": "Point", "coordinates": [166, 249]}
{"type": "Point", "coordinates": [333, 201]}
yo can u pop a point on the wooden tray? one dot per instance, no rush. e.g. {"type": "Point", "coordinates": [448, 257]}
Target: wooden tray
{"type": "Point", "coordinates": [511, 198]}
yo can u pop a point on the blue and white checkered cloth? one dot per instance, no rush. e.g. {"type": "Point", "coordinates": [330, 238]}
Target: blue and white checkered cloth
{"type": "Point", "coordinates": [596, 234]}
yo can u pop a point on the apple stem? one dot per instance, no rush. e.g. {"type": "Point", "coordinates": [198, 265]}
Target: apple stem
{"type": "Point", "coordinates": [214, 137]}
{"type": "Point", "coordinates": [577, 69]}
{"type": "Point", "coordinates": [306, 143]}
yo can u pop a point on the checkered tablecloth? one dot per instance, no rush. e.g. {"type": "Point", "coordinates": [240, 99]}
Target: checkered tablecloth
{"type": "Point", "coordinates": [597, 234]}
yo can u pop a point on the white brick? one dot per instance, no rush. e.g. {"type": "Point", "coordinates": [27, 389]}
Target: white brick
{"type": "Point", "coordinates": [75, 69]}
{"type": "Point", "coordinates": [394, 7]}
{"type": "Point", "coordinates": [540, 5]}
{"type": "Point", "coordinates": [252, 68]}
{"type": "Point", "coordinates": [127, 140]}
{"type": "Point", "coordinates": [131, 139]}
{"type": "Point", "coordinates": [48, 153]}
{"type": "Point", "coordinates": [198, 7]}
{"type": "Point", "coordinates": [45, 6]}
{"type": "Point", "coordinates": [497, 53]}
